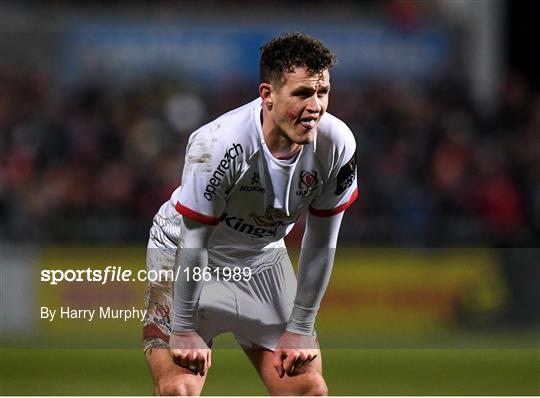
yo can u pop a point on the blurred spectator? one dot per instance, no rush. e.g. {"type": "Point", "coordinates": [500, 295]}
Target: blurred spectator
{"type": "Point", "coordinates": [430, 172]}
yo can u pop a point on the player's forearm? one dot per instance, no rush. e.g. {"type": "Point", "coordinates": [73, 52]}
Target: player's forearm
{"type": "Point", "coordinates": [191, 254]}
{"type": "Point", "coordinates": [186, 290]}
{"type": "Point", "coordinates": [314, 270]}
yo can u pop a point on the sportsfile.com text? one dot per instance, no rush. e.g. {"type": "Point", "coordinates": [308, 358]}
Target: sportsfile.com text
{"type": "Point", "coordinates": [114, 273]}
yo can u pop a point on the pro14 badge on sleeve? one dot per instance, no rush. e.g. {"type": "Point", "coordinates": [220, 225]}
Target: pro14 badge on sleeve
{"type": "Point", "coordinates": [345, 177]}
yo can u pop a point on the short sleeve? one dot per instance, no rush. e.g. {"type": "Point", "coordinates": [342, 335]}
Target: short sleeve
{"type": "Point", "coordinates": [210, 168]}
{"type": "Point", "coordinates": [341, 189]}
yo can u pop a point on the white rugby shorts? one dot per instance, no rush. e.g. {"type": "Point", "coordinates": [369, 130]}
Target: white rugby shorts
{"type": "Point", "coordinates": [255, 310]}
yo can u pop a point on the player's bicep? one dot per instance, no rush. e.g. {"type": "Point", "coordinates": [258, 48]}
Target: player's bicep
{"type": "Point", "coordinates": [321, 232]}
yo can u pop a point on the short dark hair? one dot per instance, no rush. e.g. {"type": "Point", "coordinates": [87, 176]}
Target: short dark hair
{"type": "Point", "coordinates": [285, 52]}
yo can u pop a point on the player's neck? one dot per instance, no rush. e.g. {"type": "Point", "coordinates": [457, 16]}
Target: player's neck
{"type": "Point", "coordinates": [279, 145]}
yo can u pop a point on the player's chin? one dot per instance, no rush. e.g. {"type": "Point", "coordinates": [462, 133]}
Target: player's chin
{"type": "Point", "coordinates": [305, 136]}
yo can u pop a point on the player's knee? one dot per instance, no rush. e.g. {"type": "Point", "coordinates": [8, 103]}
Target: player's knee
{"type": "Point", "coordinates": [169, 388]}
{"type": "Point", "coordinates": [315, 386]}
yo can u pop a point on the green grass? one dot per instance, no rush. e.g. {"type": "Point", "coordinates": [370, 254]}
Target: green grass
{"type": "Point", "coordinates": [348, 372]}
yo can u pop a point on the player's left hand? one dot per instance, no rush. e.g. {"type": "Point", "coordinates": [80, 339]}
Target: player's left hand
{"type": "Point", "coordinates": [294, 351]}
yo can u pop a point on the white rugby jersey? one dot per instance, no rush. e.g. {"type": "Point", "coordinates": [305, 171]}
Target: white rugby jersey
{"type": "Point", "coordinates": [231, 180]}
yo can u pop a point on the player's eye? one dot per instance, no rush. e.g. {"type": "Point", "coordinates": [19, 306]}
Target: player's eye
{"type": "Point", "coordinates": [323, 92]}
{"type": "Point", "coordinates": [303, 94]}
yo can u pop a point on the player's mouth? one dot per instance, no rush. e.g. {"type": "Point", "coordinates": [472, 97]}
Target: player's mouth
{"type": "Point", "coordinates": [309, 123]}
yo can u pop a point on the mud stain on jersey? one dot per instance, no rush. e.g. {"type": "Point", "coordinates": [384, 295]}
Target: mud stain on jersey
{"type": "Point", "coordinates": [202, 158]}
{"type": "Point", "coordinates": [201, 148]}
{"type": "Point", "coordinates": [200, 155]}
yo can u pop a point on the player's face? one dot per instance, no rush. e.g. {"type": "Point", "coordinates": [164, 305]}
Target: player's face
{"type": "Point", "coordinates": [299, 103]}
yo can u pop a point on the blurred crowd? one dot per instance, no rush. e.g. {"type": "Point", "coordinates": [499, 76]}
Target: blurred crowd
{"type": "Point", "coordinates": [437, 171]}
{"type": "Point", "coordinates": [94, 161]}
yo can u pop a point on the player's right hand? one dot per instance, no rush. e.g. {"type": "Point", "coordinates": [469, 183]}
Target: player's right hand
{"type": "Point", "coordinates": [189, 351]}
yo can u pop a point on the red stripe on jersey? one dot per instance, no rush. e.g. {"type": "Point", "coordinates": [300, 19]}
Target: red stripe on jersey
{"type": "Point", "coordinates": [193, 215]}
{"type": "Point", "coordinates": [339, 209]}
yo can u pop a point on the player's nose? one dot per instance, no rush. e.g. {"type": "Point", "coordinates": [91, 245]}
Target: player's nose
{"type": "Point", "coordinates": [314, 105]}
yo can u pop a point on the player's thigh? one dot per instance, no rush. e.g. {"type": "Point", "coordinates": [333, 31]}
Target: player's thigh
{"type": "Point", "coordinates": [307, 380]}
{"type": "Point", "coordinates": [169, 378]}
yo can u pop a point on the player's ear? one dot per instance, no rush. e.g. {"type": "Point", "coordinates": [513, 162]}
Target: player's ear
{"type": "Point", "coordinates": [266, 93]}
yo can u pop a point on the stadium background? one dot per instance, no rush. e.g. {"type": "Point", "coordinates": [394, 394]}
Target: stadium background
{"type": "Point", "coordinates": [436, 282]}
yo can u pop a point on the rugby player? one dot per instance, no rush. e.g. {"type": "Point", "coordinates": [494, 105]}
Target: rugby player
{"type": "Point", "coordinates": [248, 176]}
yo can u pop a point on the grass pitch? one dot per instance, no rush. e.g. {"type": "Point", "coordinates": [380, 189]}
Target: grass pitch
{"type": "Point", "coordinates": [348, 372]}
